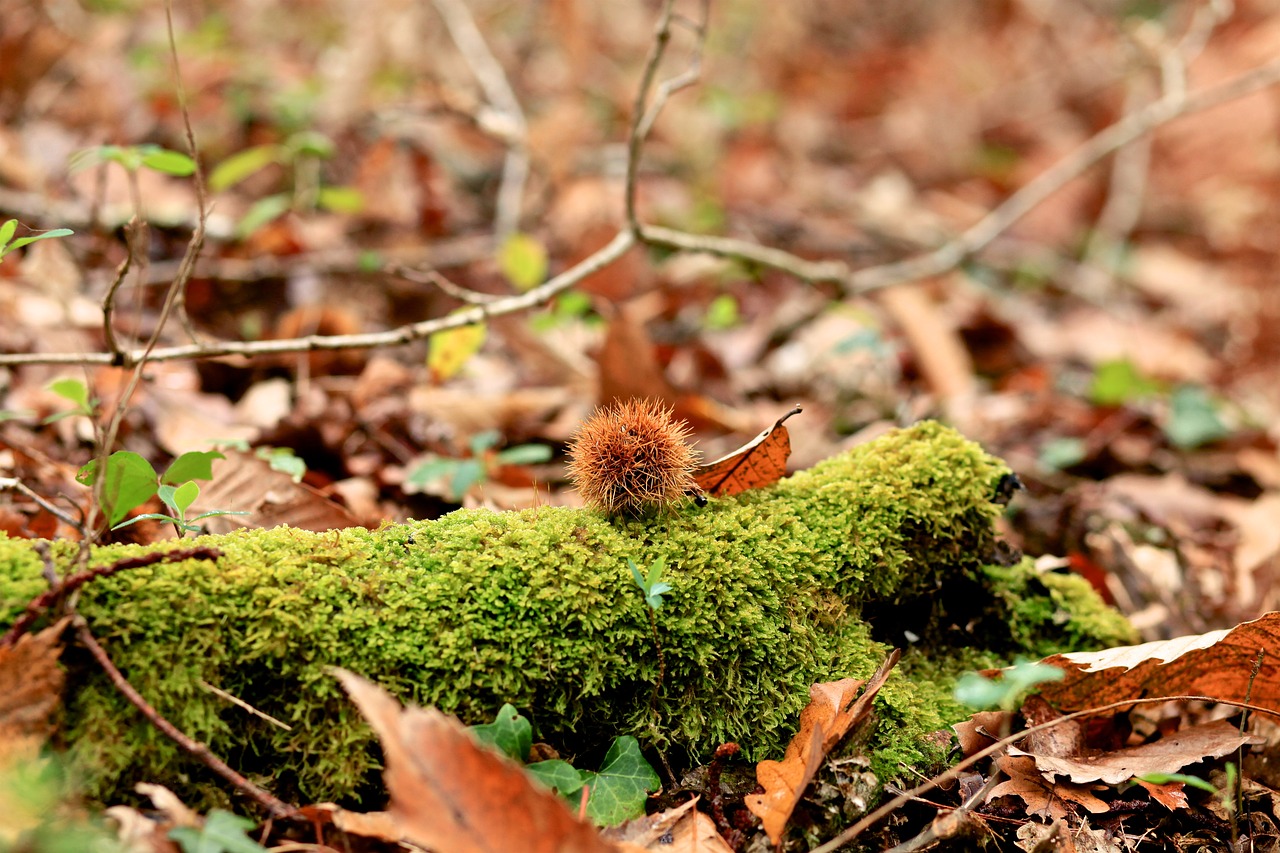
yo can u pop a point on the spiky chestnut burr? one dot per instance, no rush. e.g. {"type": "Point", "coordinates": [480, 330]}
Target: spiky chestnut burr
{"type": "Point", "coordinates": [631, 458]}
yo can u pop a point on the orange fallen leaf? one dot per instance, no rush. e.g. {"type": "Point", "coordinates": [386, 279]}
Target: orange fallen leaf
{"type": "Point", "coordinates": [30, 690]}
{"type": "Point", "coordinates": [682, 829]}
{"type": "Point", "coordinates": [452, 795]}
{"type": "Point", "coordinates": [761, 462]}
{"type": "Point", "coordinates": [1239, 664]}
{"type": "Point", "coordinates": [834, 708]}
{"type": "Point", "coordinates": [1169, 794]}
{"type": "Point", "coordinates": [1043, 798]}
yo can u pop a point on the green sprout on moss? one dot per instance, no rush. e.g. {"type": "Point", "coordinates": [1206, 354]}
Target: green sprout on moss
{"type": "Point", "coordinates": [984, 694]}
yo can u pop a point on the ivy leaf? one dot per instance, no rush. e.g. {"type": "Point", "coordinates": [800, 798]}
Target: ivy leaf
{"type": "Point", "coordinates": [509, 733]}
{"type": "Point", "coordinates": [620, 789]}
{"type": "Point", "coordinates": [223, 832]}
{"type": "Point", "coordinates": [557, 775]}
{"type": "Point", "coordinates": [130, 481]}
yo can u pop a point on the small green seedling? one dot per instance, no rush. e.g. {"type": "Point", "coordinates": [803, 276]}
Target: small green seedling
{"type": "Point", "coordinates": [301, 155]}
{"type": "Point", "coordinates": [77, 393]}
{"type": "Point", "coordinates": [983, 694]}
{"type": "Point", "coordinates": [223, 832]}
{"type": "Point", "coordinates": [8, 243]}
{"type": "Point", "coordinates": [132, 158]}
{"type": "Point", "coordinates": [131, 481]}
{"type": "Point", "coordinates": [462, 474]}
{"type": "Point", "coordinates": [651, 584]}
{"type": "Point", "coordinates": [618, 791]}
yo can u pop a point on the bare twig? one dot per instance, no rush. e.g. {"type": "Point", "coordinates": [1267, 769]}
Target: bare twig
{"type": "Point", "coordinates": [45, 600]}
{"type": "Point", "coordinates": [17, 485]}
{"type": "Point", "coordinates": [462, 294]}
{"type": "Point", "coordinates": [603, 257]}
{"type": "Point", "coordinates": [642, 116]}
{"type": "Point", "coordinates": [953, 773]}
{"type": "Point", "coordinates": [277, 808]}
{"type": "Point", "coordinates": [240, 703]}
{"type": "Point", "coordinates": [502, 98]}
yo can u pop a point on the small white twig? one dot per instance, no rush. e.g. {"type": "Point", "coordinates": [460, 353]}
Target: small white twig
{"type": "Point", "coordinates": [240, 703]}
{"type": "Point", "coordinates": [502, 98]}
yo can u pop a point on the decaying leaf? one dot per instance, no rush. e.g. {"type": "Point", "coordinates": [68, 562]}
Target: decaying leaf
{"type": "Point", "coordinates": [834, 708]}
{"type": "Point", "coordinates": [1168, 794]}
{"type": "Point", "coordinates": [682, 829]}
{"type": "Point", "coordinates": [761, 462]}
{"type": "Point", "coordinates": [1239, 664]}
{"type": "Point", "coordinates": [452, 795]}
{"type": "Point", "coordinates": [1169, 754]}
{"type": "Point", "coordinates": [1043, 798]}
{"type": "Point", "coordinates": [30, 689]}
{"type": "Point", "coordinates": [245, 483]}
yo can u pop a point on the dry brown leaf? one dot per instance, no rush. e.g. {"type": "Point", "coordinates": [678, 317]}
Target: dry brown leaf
{"type": "Point", "coordinates": [1043, 799]}
{"type": "Point", "coordinates": [942, 355]}
{"type": "Point", "coordinates": [30, 690]}
{"type": "Point", "coordinates": [380, 825]}
{"type": "Point", "coordinates": [452, 795]}
{"type": "Point", "coordinates": [682, 829]}
{"type": "Point", "coordinates": [981, 730]}
{"type": "Point", "coordinates": [832, 711]}
{"type": "Point", "coordinates": [1220, 664]}
{"type": "Point", "coordinates": [759, 463]}
{"type": "Point", "coordinates": [1170, 794]}
{"type": "Point", "coordinates": [243, 482]}
{"type": "Point", "coordinates": [1167, 755]}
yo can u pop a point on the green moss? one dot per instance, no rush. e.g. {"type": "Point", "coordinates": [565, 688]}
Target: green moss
{"type": "Point", "coordinates": [811, 580]}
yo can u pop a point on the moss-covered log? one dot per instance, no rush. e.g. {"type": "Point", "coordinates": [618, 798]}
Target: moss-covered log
{"type": "Point", "coordinates": [813, 579]}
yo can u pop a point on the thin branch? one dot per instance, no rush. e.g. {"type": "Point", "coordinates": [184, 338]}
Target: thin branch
{"type": "Point", "coordinates": [45, 600]}
{"type": "Point", "coordinates": [621, 243]}
{"type": "Point", "coordinates": [457, 291]}
{"type": "Point", "coordinates": [642, 116]}
{"type": "Point", "coordinates": [978, 236]}
{"type": "Point", "coordinates": [240, 703]}
{"type": "Point", "coordinates": [502, 97]}
{"type": "Point", "coordinates": [953, 772]}
{"type": "Point", "coordinates": [18, 486]}
{"type": "Point", "coordinates": [278, 808]}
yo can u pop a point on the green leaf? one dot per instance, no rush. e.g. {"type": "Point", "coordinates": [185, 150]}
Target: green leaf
{"type": "Point", "coordinates": [130, 481]}
{"type": "Point", "coordinates": [523, 260]}
{"type": "Point", "coordinates": [431, 468]}
{"type": "Point", "coordinates": [284, 460]}
{"type": "Point", "coordinates": [655, 570]}
{"type": "Point", "coordinates": [75, 391]}
{"type": "Point", "coordinates": [465, 475]}
{"type": "Point", "coordinates": [1193, 419]}
{"type": "Point", "coordinates": [978, 691]}
{"type": "Point", "coordinates": [193, 465]}
{"type": "Point", "coordinates": [310, 143]}
{"type": "Point", "coordinates": [1062, 453]}
{"type": "Point", "coordinates": [449, 350]}
{"type": "Point", "coordinates": [340, 199]}
{"type": "Point", "coordinates": [557, 775]}
{"type": "Point", "coordinates": [1165, 778]}
{"type": "Point", "coordinates": [184, 496]}
{"type": "Point", "coordinates": [524, 454]}
{"type": "Point", "coordinates": [211, 513]}
{"type": "Point", "coordinates": [169, 162]}
{"type": "Point", "coordinates": [1118, 382]}
{"type": "Point", "coordinates": [620, 789]}
{"type": "Point", "coordinates": [223, 832]}
{"type": "Point", "coordinates": [482, 441]}
{"type": "Point", "coordinates": [722, 313]}
{"type": "Point", "coordinates": [241, 165]}
{"type": "Point", "coordinates": [264, 210]}
{"type": "Point", "coordinates": [26, 241]}
{"type": "Point", "coordinates": [7, 231]}
{"type": "Point", "coordinates": [636, 576]}
{"type": "Point", "coordinates": [509, 733]}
